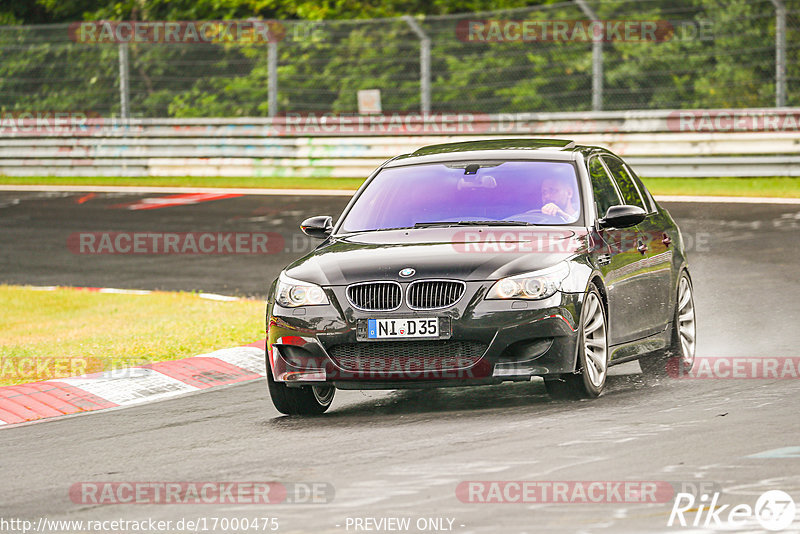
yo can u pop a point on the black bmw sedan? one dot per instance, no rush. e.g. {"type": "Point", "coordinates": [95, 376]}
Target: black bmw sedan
{"type": "Point", "coordinates": [480, 262]}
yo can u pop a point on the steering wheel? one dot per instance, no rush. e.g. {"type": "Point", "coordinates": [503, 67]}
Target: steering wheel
{"type": "Point", "coordinates": [537, 217]}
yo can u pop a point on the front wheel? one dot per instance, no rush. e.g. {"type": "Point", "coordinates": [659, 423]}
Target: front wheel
{"type": "Point", "coordinates": [304, 400]}
{"type": "Point", "coordinates": [590, 381]}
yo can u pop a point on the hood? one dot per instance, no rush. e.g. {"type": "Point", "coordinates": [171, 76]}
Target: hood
{"type": "Point", "coordinates": [463, 253]}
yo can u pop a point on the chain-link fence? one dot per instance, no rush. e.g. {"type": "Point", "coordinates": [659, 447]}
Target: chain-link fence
{"type": "Point", "coordinates": [570, 56]}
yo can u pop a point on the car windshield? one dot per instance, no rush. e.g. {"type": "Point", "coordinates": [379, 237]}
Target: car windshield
{"type": "Point", "coordinates": [472, 192]}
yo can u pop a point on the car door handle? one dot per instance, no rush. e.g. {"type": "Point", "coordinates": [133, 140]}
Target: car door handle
{"type": "Point", "coordinates": [642, 247]}
{"type": "Point", "coordinates": [667, 240]}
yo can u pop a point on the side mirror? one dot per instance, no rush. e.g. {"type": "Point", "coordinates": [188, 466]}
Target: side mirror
{"type": "Point", "coordinates": [319, 226]}
{"type": "Point", "coordinates": [622, 217]}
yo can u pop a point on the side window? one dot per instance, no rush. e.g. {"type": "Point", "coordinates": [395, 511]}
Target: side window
{"type": "Point", "coordinates": [605, 194]}
{"type": "Point", "coordinates": [630, 194]}
{"type": "Point", "coordinates": [648, 198]}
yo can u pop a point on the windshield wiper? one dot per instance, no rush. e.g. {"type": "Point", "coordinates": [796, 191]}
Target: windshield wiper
{"type": "Point", "coordinates": [494, 223]}
{"type": "Point", "coordinates": [445, 224]}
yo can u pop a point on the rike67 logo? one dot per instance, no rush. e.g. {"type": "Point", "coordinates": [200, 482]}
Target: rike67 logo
{"type": "Point", "coordinates": [774, 511]}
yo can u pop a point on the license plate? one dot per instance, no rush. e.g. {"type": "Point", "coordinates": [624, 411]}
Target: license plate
{"type": "Point", "coordinates": [402, 328]}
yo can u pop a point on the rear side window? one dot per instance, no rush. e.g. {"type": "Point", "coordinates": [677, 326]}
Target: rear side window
{"type": "Point", "coordinates": [630, 194]}
{"type": "Point", "coordinates": [605, 194]}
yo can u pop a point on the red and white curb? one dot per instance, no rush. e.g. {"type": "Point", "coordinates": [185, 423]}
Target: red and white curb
{"type": "Point", "coordinates": [129, 387]}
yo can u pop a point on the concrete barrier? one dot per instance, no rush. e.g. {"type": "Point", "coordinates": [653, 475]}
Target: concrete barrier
{"type": "Point", "coordinates": [657, 143]}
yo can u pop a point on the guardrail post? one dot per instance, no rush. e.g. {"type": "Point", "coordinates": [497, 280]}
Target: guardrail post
{"type": "Point", "coordinates": [272, 78]}
{"type": "Point", "coordinates": [597, 58]}
{"type": "Point", "coordinates": [124, 90]}
{"type": "Point", "coordinates": [780, 53]}
{"type": "Point", "coordinates": [424, 63]}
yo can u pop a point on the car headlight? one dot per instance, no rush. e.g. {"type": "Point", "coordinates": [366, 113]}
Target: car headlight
{"type": "Point", "coordinates": [534, 285]}
{"type": "Point", "coordinates": [292, 293]}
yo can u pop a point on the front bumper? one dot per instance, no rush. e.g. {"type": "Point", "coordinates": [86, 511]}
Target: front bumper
{"type": "Point", "coordinates": [489, 341]}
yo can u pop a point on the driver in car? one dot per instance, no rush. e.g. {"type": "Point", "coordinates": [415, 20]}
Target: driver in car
{"type": "Point", "coordinates": [558, 199]}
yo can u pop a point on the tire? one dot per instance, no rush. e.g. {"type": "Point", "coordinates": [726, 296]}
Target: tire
{"type": "Point", "coordinates": [678, 357]}
{"type": "Point", "coordinates": [304, 400]}
{"type": "Point", "coordinates": [590, 379]}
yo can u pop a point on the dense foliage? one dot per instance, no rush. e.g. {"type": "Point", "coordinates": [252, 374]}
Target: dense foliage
{"type": "Point", "coordinates": [720, 53]}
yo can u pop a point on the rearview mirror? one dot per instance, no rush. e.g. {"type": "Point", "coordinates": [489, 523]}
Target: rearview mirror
{"type": "Point", "coordinates": [622, 217]}
{"type": "Point", "coordinates": [320, 226]}
{"type": "Point", "coordinates": [474, 182]}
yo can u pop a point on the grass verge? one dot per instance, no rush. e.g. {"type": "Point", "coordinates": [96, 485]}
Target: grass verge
{"type": "Point", "coordinates": [768, 186]}
{"type": "Point", "coordinates": [772, 186]}
{"type": "Point", "coordinates": [66, 332]}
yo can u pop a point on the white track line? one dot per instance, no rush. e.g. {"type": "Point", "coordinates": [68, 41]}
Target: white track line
{"type": "Point", "coordinates": [117, 291]}
{"type": "Point", "coordinates": [138, 190]}
{"type": "Point", "coordinates": [214, 296]}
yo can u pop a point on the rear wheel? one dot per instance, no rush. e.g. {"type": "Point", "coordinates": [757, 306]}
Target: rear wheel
{"type": "Point", "coordinates": [590, 381]}
{"type": "Point", "coordinates": [304, 400]}
{"type": "Point", "coordinates": [678, 357]}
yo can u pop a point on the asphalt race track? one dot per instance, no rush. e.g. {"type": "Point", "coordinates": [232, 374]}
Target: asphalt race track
{"type": "Point", "coordinates": [382, 455]}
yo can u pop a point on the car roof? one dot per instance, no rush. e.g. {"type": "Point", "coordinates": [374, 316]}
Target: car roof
{"type": "Point", "coordinates": [490, 149]}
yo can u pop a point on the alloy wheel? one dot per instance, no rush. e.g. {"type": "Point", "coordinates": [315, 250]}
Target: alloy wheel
{"type": "Point", "coordinates": [594, 340]}
{"type": "Point", "coordinates": [687, 328]}
{"type": "Point", "coordinates": [323, 394]}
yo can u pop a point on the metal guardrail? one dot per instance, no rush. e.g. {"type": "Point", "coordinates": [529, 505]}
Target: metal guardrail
{"type": "Point", "coordinates": [756, 142]}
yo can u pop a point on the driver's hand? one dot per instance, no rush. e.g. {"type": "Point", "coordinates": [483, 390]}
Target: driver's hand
{"type": "Point", "coordinates": [552, 209]}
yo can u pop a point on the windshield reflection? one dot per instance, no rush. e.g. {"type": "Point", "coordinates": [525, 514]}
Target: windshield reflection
{"type": "Point", "coordinates": [517, 192]}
